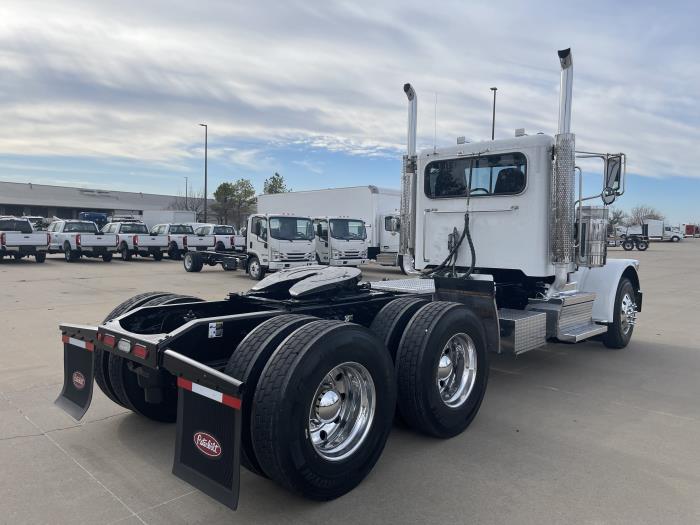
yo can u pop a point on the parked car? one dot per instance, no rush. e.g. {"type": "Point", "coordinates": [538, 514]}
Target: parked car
{"type": "Point", "coordinates": [133, 238]}
{"type": "Point", "coordinates": [77, 238]}
{"type": "Point", "coordinates": [18, 239]}
{"type": "Point", "coordinates": [177, 237]}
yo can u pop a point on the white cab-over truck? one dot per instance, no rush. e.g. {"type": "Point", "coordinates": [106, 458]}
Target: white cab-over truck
{"type": "Point", "coordinates": [133, 238]}
{"type": "Point", "coordinates": [177, 235]}
{"type": "Point", "coordinates": [18, 239]}
{"type": "Point", "coordinates": [299, 379]}
{"type": "Point", "coordinates": [77, 238]}
{"type": "Point", "coordinates": [340, 241]}
{"type": "Point", "coordinates": [377, 207]}
{"type": "Point", "coordinates": [273, 242]}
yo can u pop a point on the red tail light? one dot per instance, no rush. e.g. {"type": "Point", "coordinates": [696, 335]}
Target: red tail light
{"type": "Point", "coordinates": [108, 340]}
{"type": "Point", "coordinates": [140, 351]}
{"type": "Point", "coordinates": [48, 238]}
{"type": "Point", "coordinates": [2, 238]}
{"type": "Point", "coordinates": [116, 241]}
{"type": "Point", "coordinates": [184, 242]}
{"type": "Point", "coordinates": [168, 239]}
{"type": "Point", "coordinates": [77, 240]}
{"type": "Point", "coordinates": [136, 240]}
{"type": "Point", "coordinates": [232, 241]}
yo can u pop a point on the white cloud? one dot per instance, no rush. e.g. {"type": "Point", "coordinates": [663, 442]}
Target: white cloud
{"type": "Point", "coordinates": [132, 79]}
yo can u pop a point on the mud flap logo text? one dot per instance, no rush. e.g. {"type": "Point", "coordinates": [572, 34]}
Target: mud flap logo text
{"type": "Point", "coordinates": [207, 444]}
{"type": "Point", "coordinates": [78, 380]}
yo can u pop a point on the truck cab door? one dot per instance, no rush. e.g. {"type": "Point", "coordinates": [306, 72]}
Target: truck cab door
{"type": "Point", "coordinates": [322, 241]}
{"type": "Point", "coordinates": [388, 239]}
{"type": "Point", "coordinates": [258, 236]}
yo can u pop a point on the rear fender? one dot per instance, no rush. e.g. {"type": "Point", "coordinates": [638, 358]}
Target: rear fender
{"type": "Point", "coordinates": [78, 357]}
{"type": "Point", "coordinates": [603, 282]}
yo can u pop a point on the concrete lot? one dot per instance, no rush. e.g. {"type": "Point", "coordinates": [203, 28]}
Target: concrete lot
{"type": "Point", "coordinates": [569, 434]}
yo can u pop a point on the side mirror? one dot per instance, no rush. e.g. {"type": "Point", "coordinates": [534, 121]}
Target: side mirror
{"type": "Point", "coordinates": [257, 230]}
{"type": "Point", "coordinates": [319, 230]}
{"type": "Point", "coordinates": [613, 179]}
{"type": "Point", "coordinates": [395, 224]}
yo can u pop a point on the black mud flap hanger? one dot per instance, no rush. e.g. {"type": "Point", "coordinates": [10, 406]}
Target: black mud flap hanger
{"type": "Point", "coordinates": [208, 442]}
{"type": "Point", "coordinates": [78, 356]}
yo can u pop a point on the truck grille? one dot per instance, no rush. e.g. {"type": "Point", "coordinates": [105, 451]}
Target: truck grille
{"type": "Point", "coordinates": [293, 256]}
{"type": "Point", "coordinates": [351, 254]}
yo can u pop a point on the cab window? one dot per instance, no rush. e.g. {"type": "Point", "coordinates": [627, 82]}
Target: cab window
{"type": "Point", "coordinates": [502, 174]}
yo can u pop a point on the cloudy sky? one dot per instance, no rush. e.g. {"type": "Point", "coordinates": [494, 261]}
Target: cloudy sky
{"type": "Point", "coordinates": [109, 94]}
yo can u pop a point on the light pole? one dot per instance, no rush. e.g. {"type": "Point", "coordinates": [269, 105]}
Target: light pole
{"type": "Point", "coordinates": [493, 117]}
{"type": "Point", "coordinates": [206, 131]}
{"type": "Point", "coordinates": [186, 184]}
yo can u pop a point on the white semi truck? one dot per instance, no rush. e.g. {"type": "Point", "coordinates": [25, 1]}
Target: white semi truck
{"type": "Point", "coordinates": [299, 379]}
{"type": "Point", "coordinates": [377, 207]}
{"type": "Point", "coordinates": [340, 241]}
{"type": "Point", "coordinates": [656, 230]}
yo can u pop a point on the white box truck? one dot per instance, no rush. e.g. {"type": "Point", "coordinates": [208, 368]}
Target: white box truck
{"type": "Point", "coordinates": [377, 207]}
{"type": "Point", "coordinates": [154, 217]}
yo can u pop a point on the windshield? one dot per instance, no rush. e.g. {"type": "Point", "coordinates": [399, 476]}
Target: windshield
{"type": "Point", "coordinates": [181, 228]}
{"type": "Point", "coordinates": [348, 229]}
{"type": "Point", "coordinates": [80, 227]}
{"type": "Point", "coordinates": [224, 230]}
{"type": "Point", "coordinates": [134, 228]}
{"type": "Point", "coordinates": [15, 226]}
{"type": "Point", "coordinates": [291, 229]}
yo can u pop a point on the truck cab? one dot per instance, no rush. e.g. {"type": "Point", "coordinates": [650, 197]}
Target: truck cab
{"type": "Point", "coordinates": [340, 241]}
{"type": "Point", "coordinates": [277, 241]}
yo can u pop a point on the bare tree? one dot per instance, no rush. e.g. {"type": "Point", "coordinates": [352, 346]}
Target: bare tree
{"type": "Point", "coordinates": [193, 202]}
{"type": "Point", "coordinates": [642, 213]}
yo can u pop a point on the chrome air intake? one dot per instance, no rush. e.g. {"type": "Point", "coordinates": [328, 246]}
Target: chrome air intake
{"type": "Point", "coordinates": [407, 233]}
{"type": "Point", "coordinates": [561, 228]}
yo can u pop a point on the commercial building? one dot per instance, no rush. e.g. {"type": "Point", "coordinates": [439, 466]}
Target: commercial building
{"type": "Point", "coordinates": [17, 198]}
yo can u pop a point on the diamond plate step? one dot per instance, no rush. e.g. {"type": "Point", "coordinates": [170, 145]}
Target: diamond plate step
{"type": "Point", "coordinates": [574, 334]}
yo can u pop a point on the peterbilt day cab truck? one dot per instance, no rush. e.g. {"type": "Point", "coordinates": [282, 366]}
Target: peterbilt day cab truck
{"type": "Point", "coordinates": [177, 235]}
{"type": "Point", "coordinates": [377, 207]}
{"type": "Point", "coordinates": [18, 239]}
{"type": "Point", "coordinates": [273, 242]}
{"type": "Point", "coordinates": [340, 241]}
{"type": "Point", "coordinates": [133, 238]}
{"type": "Point", "coordinates": [299, 379]}
{"type": "Point", "coordinates": [80, 238]}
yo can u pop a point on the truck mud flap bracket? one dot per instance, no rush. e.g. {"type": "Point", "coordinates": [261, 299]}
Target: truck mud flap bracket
{"type": "Point", "coordinates": [208, 434]}
{"type": "Point", "coordinates": [78, 356]}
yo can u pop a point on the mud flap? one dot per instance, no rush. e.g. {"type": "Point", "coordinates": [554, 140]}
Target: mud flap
{"type": "Point", "coordinates": [78, 355]}
{"type": "Point", "coordinates": [208, 439]}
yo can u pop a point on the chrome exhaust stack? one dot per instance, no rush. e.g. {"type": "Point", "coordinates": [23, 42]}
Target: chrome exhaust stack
{"type": "Point", "coordinates": [407, 233]}
{"type": "Point", "coordinates": [561, 227]}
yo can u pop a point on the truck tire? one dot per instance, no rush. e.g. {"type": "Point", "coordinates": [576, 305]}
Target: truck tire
{"type": "Point", "coordinates": [628, 245]}
{"type": "Point", "coordinates": [219, 247]}
{"type": "Point", "coordinates": [442, 369]}
{"type": "Point", "coordinates": [193, 262]}
{"type": "Point", "coordinates": [642, 245]}
{"type": "Point", "coordinates": [68, 254]}
{"type": "Point", "coordinates": [174, 252]}
{"type": "Point", "coordinates": [620, 331]}
{"type": "Point", "coordinates": [107, 257]}
{"type": "Point", "coordinates": [40, 257]}
{"type": "Point", "coordinates": [124, 251]}
{"type": "Point", "coordinates": [323, 409]}
{"type": "Point", "coordinates": [675, 238]}
{"type": "Point", "coordinates": [125, 381]}
{"type": "Point", "coordinates": [101, 363]}
{"type": "Point", "coordinates": [391, 321]}
{"type": "Point", "coordinates": [255, 269]}
{"type": "Point", "coordinates": [247, 363]}
{"type": "Point", "coordinates": [157, 256]}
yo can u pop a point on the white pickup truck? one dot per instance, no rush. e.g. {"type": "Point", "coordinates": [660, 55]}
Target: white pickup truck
{"type": "Point", "coordinates": [177, 237]}
{"type": "Point", "coordinates": [75, 239]}
{"type": "Point", "coordinates": [18, 239]}
{"type": "Point", "coordinates": [133, 238]}
{"type": "Point", "coordinates": [224, 237]}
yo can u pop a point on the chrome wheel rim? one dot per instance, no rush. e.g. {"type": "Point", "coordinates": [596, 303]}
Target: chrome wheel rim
{"type": "Point", "coordinates": [342, 411]}
{"type": "Point", "coordinates": [628, 313]}
{"type": "Point", "coordinates": [188, 261]}
{"type": "Point", "coordinates": [456, 371]}
{"type": "Point", "coordinates": [254, 268]}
